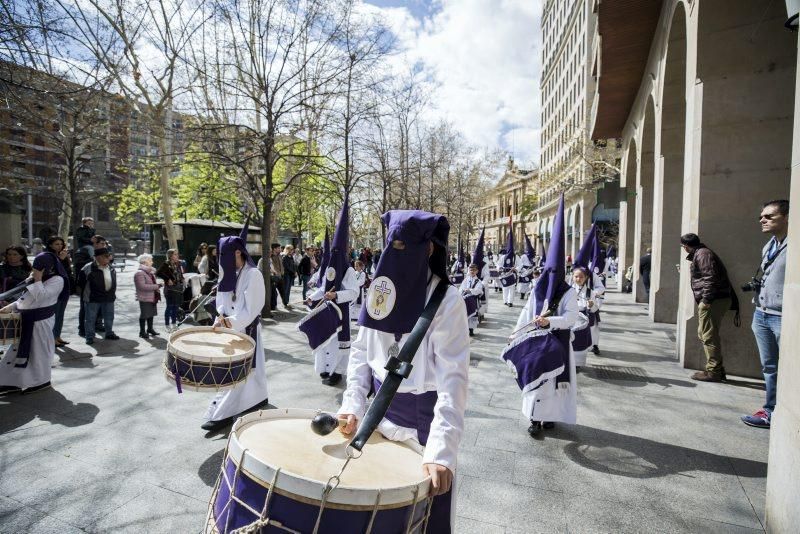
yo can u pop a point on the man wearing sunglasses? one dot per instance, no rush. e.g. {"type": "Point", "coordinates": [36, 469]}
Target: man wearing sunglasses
{"type": "Point", "coordinates": [768, 288]}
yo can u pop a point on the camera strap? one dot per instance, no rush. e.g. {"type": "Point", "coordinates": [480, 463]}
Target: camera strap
{"type": "Point", "coordinates": [770, 258]}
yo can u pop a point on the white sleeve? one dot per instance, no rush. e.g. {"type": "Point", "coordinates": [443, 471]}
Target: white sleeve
{"type": "Point", "coordinates": [478, 289]}
{"type": "Point", "coordinates": [349, 290]}
{"type": "Point", "coordinates": [526, 315]}
{"type": "Point", "coordinates": [450, 345]}
{"type": "Point", "coordinates": [317, 293]}
{"type": "Point", "coordinates": [39, 294]}
{"type": "Point", "coordinates": [597, 301]}
{"type": "Point", "coordinates": [567, 312]}
{"type": "Point", "coordinates": [360, 279]}
{"type": "Point", "coordinates": [599, 288]}
{"type": "Point", "coordinates": [359, 377]}
{"type": "Point", "coordinates": [253, 302]}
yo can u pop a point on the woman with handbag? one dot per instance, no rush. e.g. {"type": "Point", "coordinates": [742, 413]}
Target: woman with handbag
{"type": "Point", "coordinates": [148, 293]}
{"type": "Point", "coordinates": [172, 274]}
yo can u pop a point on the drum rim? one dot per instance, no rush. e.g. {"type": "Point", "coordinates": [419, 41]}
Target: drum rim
{"type": "Point", "coordinates": [295, 485]}
{"type": "Point", "coordinates": [10, 315]}
{"type": "Point", "coordinates": [178, 353]}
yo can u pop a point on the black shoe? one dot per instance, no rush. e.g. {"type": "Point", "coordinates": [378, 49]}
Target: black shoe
{"type": "Point", "coordinates": [153, 332]}
{"type": "Point", "coordinates": [332, 380]}
{"type": "Point", "coordinates": [535, 428]}
{"type": "Point", "coordinates": [9, 390]}
{"type": "Point", "coordinates": [471, 333]}
{"type": "Point", "coordinates": [142, 335]}
{"type": "Point", "coordinates": [90, 341]}
{"type": "Point", "coordinates": [213, 426]}
{"type": "Point", "coordinates": [548, 425]}
{"type": "Point", "coordinates": [82, 333]}
{"type": "Point", "coordinates": [595, 350]}
{"type": "Point", "coordinates": [324, 375]}
{"type": "Point", "coordinates": [112, 336]}
{"type": "Point", "coordinates": [34, 389]}
{"type": "Point", "coordinates": [510, 304]}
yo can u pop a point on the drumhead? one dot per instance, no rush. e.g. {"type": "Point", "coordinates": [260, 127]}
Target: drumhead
{"type": "Point", "coordinates": [283, 439]}
{"type": "Point", "coordinates": [205, 344]}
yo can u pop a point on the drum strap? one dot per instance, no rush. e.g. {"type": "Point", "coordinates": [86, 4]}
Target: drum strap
{"type": "Point", "coordinates": [399, 367]}
{"type": "Point", "coordinates": [252, 331]}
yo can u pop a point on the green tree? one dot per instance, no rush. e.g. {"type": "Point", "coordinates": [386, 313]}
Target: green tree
{"type": "Point", "coordinates": [140, 200]}
{"type": "Point", "coordinates": [203, 190]}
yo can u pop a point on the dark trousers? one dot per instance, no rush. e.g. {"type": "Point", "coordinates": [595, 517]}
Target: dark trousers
{"type": "Point", "coordinates": [304, 278]}
{"type": "Point", "coordinates": [287, 286]}
{"type": "Point", "coordinates": [82, 319]}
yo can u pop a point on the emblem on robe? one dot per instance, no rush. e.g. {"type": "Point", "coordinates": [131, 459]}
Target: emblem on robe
{"type": "Point", "coordinates": [381, 298]}
{"type": "Point", "coordinates": [330, 274]}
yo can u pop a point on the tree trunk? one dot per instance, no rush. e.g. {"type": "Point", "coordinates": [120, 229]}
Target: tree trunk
{"type": "Point", "coordinates": [266, 259]}
{"type": "Point", "coordinates": [164, 152]}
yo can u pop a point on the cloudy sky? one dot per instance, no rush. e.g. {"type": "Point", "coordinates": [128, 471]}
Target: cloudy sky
{"type": "Point", "coordinates": [484, 57]}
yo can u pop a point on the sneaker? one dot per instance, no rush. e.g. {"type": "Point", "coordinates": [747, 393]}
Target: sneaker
{"type": "Point", "coordinates": [90, 341]}
{"type": "Point", "coordinates": [112, 336]}
{"type": "Point", "coordinates": [760, 419]}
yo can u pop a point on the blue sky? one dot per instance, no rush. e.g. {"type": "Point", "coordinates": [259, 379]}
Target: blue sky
{"type": "Point", "coordinates": [484, 57]}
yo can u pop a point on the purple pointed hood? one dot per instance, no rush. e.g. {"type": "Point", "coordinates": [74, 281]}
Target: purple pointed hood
{"type": "Point", "coordinates": [542, 251]}
{"type": "Point", "coordinates": [529, 251]}
{"type": "Point", "coordinates": [585, 254]}
{"type": "Point", "coordinates": [477, 256]}
{"type": "Point", "coordinates": [338, 261]}
{"type": "Point", "coordinates": [326, 257]}
{"type": "Point", "coordinates": [398, 291]}
{"type": "Point", "coordinates": [510, 258]}
{"type": "Point", "coordinates": [551, 285]}
{"type": "Point", "coordinates": [226, 250]}
{"type": "Point", "coordinates": [51, 266]}
{"type": "Point", "coordinates": [598, 255]}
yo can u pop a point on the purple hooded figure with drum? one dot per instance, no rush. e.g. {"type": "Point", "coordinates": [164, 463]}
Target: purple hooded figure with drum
{"type": "Point", "coordinates": [429, 405]}
{"type": "Point", "coordinates": [27, 344]}
{"type": "Point", "coordinates": [240, 298]}
{"type": "Point", "coordinates": [540, 352]}
{"type": "Point", "coordinates": [327, 326]}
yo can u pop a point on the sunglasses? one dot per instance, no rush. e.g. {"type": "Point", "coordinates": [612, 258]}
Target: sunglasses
{"type": "Point", "coordinates": [768, 216]}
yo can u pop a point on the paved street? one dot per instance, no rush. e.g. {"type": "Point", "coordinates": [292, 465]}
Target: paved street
{"type": "Point", "coordinates": [114, 448]}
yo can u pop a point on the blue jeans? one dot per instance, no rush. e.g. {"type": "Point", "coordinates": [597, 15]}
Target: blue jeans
{"type": "Point", "coordinates": [59, 322]}
{"type": "Point", "coordinates": [767, 329]}
{"type": "Point", "coordinates": [171, 312]}
{"type": "Point", "coordinates": [106, 309]}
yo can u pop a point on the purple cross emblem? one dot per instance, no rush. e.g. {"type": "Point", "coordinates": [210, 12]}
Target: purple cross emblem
{"type": "Point", "coordinates": [383, 289]}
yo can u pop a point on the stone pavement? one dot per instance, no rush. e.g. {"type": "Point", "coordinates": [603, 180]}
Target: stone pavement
{"type": "Point", "coordinates": [113, 448]}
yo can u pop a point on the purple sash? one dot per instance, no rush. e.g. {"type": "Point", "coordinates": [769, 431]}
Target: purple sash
{"type": "Point", "coordinates": [28, 318]}
{"type": "Point", "coordinates": [344, 333]}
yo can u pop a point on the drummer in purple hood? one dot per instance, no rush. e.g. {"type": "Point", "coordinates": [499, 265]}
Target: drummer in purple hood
{"type": "Point", "coordinates": [430, 403]}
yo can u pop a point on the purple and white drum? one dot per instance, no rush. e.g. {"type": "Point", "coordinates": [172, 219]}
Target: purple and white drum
{"type": "Point", "coordinates": [494, 273]}
{"type": "Point", "coordinates": [583, 335]}
{"type": "Point", "coordinates": [204, 358]}
{"type": "Point", "coordinates": [321, 324]}
{"type": "Point", "coordinates": [508, 279]}
{"type": "Point", "coordinates": [279, 476]}
{"type": "Point", "coordinates": [457, 278]}
{"type": "Point", "coordinates": [10, 327]}
{"type": "Point", "coordinates": [472, 304]}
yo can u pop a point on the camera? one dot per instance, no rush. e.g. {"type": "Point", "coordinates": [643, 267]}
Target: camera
{"type": "Point", "coordinates": [753, 285]}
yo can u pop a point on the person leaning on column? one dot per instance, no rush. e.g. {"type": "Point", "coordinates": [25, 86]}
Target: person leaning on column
{"type": "Point", "coordinates": [768, 298]}
{"type": "Point", "coordinates": [714, 296]}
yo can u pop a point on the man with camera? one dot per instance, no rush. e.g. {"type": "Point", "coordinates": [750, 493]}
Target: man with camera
{"type": "Point", "coordinates": [714, 296]}
{"type": "Point", "coordinates": [768, 287]}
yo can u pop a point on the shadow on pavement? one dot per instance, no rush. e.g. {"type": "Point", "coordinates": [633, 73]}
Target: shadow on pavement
{"type": "Point", "coordinates": [54, 399]}
{"type": "Point", "coordinates": [634, 457]}
{"type": "Point", "coordinates": [209, 470]}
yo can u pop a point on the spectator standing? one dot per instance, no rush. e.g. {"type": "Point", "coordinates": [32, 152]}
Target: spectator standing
{"type": "Point", "coordinates": [57, 246]}
{"type": "Point", "coordinates": [645, 266]}
{"type": "Point", "coordinates": [768, 285]}
{"type": "Point", "coordinates": [83, 258]}
{"type": "Point", "coordinates": [297, 256]}
{"type": "Point", "coordinates": [714, 296]}
{"type": "Point", "coordinates": [16, 267]}
{"type": "Point", "coordinates": [304, 269]}
{"type": "Point", "coordinates": [148, 293]}
{"type": "Point", "coordinates": [85, 233]}
{"type": "Point", "coordinates": [209, 266]}
{"type": "Point", "coordinates": [97, 283]}
{"type": "Point", "coordinates": [289, 271]}
{"type": "Point", "coordinates": [201, 253]}
{"type": "Point", "coordinates": [171, 272]}
{"type": "Point", "coordinates": [276, 276]}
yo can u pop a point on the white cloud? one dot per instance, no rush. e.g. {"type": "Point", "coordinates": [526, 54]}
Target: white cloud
{"type": "Point", "coordinates": [485, 60]}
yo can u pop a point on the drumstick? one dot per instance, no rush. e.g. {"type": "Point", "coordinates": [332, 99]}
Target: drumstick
{"type": "Point", "coordinates": [547, 313]}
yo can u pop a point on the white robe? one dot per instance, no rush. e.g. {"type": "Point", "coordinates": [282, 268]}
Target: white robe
{"type": "Point", "coordinates": [441, 364]}
{"type": "Point", "coordinates": [580, 356]}
{"type": "Point", "coordinates": [483, 305]}
{"type": "Point", "coordinates": [330, 357]}
{"type": "Point", "coordinates": [250, 295]}
{"type": "Point", "coordinates": [551, 402]}
{"type": "Point", "coordinates": [523, 267]}
{"type": "Point", "coordinates": [599, 290]}
{"type": "Point", "coordinates": [355, 307]}
{"type": "Point", "coordinates": [477, 290]}
{"type": "Point", "coordinates": [43, 347]}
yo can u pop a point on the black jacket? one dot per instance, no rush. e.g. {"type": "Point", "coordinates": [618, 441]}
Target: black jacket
{"type": "Point", "coordinates": [305, 266]}
{"type": "Point", "coordinates": [83, 236]}
{"type": "Point", "coordinates": [288, 265]}
{"type": "Point", "coordinates": [92, 286]}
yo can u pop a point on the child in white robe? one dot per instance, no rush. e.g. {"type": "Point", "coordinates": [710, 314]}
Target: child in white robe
{"type": "Point", "coordinates": [472, 285]}
{"type": "Point", "coordinates": [361, 279]}
{"type": "Point", "coordinates": [588, 302]}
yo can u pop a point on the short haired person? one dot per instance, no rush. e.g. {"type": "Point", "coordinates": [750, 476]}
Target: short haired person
{"type": "Point", "coordinates": [289, 272]}
{"type": "Point", "coordinates": [240, 298]}
{"type": "Point", "coordinates": [304, 269]}
{"type": "Point", "coordinates": [85, 233]}
{"type": "Point", "coordinates": [148, 293]}
{"type": "Point", "coordinates": [97, 283]}
{"type": "Point", "coordinates": [714, 296]}
{"type": "Point", "coordinates": [768, 299]}
{"type": "Point", "coordinates": [26, 367]}
{"type": "Point", "coordinates": [171, 272]}
{"type": "Point", "coordinates": [58, 246]}
{"type": "Point", "coordinates": [429, 405]}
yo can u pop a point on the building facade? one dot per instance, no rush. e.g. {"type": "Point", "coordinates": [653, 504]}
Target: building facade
{"type": "Point", "coordinates": [507, 200]}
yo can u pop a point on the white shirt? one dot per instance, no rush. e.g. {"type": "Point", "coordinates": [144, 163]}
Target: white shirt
{"type": "Point", "coordinates": [441, 364]}
{"type": "Point", "coordinates": [467, 285]}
